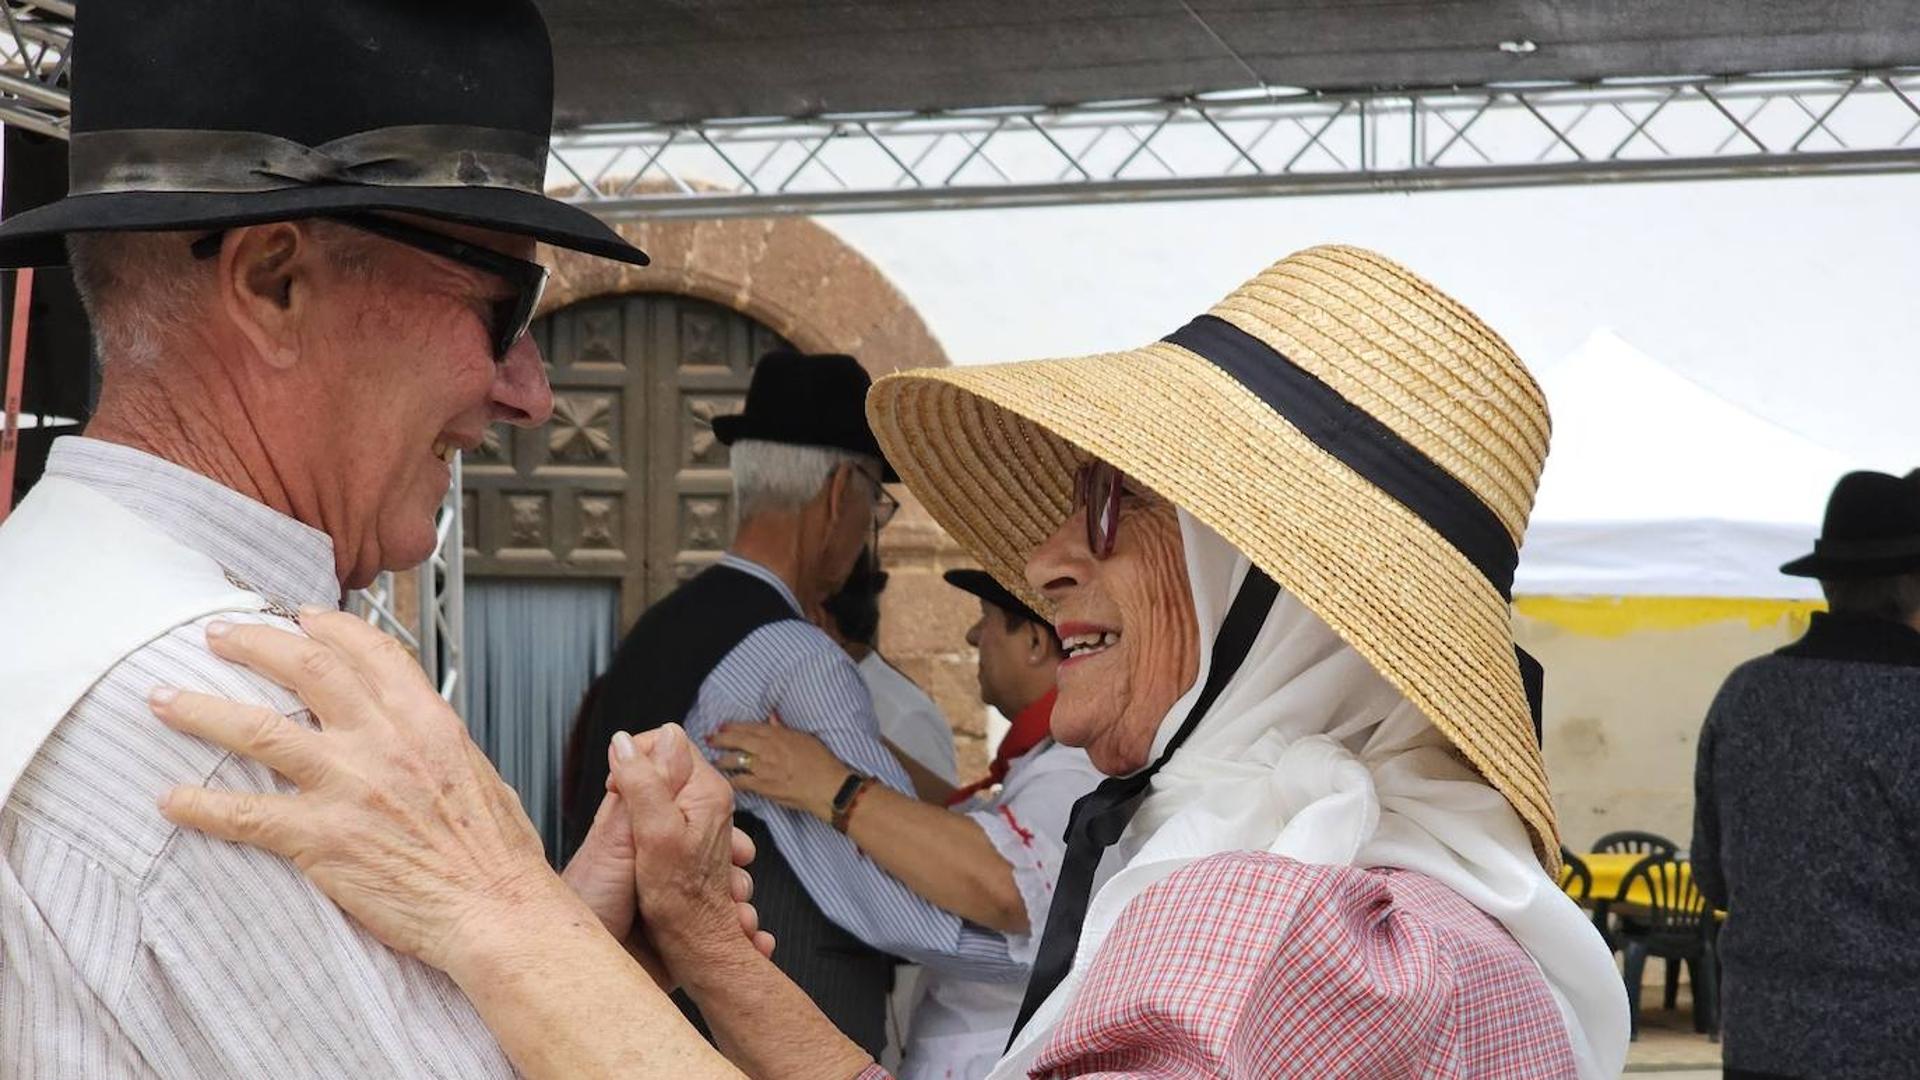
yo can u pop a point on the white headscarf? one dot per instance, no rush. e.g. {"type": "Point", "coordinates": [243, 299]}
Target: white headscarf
{"type": "Point", "coordinates": [1310, 753]}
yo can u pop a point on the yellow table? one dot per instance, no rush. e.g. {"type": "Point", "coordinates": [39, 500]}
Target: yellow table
{"type": "Point", "coordinates": [1610, 869]}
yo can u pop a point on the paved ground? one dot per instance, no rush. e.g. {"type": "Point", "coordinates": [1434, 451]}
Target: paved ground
{"type": "Point", "coordinates": [1668, 1045]}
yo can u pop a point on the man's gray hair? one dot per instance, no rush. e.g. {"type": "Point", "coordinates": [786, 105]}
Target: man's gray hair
{"type": "Point", "coordinates": [770, 477]}
{"type": "Point", "coordinates": [135, 286]}
{"type": "Point", "coordinates": [1896, 598]}
{"type": "Point", "coordinates": [138, 286]}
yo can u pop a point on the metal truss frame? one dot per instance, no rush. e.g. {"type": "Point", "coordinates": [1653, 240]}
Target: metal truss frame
{"type": "Point", "coordinates": [1260, 142]}
{"type": "Point", "coordinates": [36, 37]}
{"type": "Point", "coordinates": [435, 632]}
{"type": "Point", "coordinates": [1266, 141]}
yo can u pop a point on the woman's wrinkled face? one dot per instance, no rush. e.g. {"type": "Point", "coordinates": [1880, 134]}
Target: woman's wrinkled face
{"type": "Point", "coordinates": [1133, 646]}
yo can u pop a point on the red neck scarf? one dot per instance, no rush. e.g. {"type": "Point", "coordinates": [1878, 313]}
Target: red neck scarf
{"type": "Point", "coordinates": [1030, 728]}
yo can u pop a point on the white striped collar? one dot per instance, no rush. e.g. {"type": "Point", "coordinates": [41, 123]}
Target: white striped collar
{"type": "Point", "coordinates": [748, 566]}
{"type": "Point", "coordinates": [273, 554]}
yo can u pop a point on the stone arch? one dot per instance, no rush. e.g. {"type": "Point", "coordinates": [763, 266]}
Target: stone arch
{"type": "Point", "coordinates": [791, 275]}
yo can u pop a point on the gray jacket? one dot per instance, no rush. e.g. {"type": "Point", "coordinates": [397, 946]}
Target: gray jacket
{"type": "Point", "coordinates": [1807, 831]}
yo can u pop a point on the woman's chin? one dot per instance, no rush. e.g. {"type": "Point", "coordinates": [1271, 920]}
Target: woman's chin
{"type": "Point", "coordinates": [1091, 727]}
{"type": "Point", "coordinates": [1073, 723]}
{"type": "Point", "coordinates": [1113, 760]}
{"type": "Point", "coordinates": [1100, 746]}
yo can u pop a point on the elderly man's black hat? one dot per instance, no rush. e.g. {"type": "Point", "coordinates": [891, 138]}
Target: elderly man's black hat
{"type": "Point", "coordinates": [214, 113]}
{"type": "Point", "coordinates": [804, 400]}
{"type": "Point", "coordinates": [1872, 529]}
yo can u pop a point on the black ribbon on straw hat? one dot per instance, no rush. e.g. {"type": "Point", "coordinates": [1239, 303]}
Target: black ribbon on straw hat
{"type": "Point", "coordinates": [1370, 448]}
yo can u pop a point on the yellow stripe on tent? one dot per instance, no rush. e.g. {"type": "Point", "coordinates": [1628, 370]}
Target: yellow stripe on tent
{"type": "Point", "coordinates": [1618, 616]}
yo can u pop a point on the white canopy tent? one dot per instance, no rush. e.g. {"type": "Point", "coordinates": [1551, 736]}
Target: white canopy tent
{"type": "Point", "coordinates": [1657, 486]}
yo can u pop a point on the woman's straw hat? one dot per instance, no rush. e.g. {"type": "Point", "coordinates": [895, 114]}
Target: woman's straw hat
{"type": "Point", "coordinates": [1362, 437]}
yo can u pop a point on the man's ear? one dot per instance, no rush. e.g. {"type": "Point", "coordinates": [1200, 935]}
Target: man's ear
{"type": "Point", "coordinates": [265, 285]}
{"type": "Point", "coordinates": [837, 490]}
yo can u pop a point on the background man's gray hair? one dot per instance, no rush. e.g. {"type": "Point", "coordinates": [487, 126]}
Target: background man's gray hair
{"type": "Point", "coordinates": [776, 477]}
{"type": "Point", "coordinates": [138, 286]}
{"type": "Point", "coordinates": [1896, 598]}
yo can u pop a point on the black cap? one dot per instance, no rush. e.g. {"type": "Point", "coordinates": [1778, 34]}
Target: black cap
{"type": "Point", "coordinates": [988, 588]}
{"type": "Point", "coordinates": [802, 400]}
{"type": "Point", "coordinates": [1872, 529]}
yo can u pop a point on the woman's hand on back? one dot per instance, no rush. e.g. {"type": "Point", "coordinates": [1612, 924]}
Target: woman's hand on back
{"type": "Point", "coordinates": [789, 767]}
{"type": "Point", "coordinates": [400, 818]}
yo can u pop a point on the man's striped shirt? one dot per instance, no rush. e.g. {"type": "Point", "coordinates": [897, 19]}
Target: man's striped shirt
{"type": "Point", "coordinates": [794, 669]}
{"type": "Point", "coordinates": [130, 948]}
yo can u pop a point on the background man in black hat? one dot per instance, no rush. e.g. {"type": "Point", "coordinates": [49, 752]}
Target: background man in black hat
{"type": "Point", "coordinates": [303, 234]}
{"type": "Point", "coordinates": [733, 646]}
{"type": "Point", "coordinates": [1807, 810]}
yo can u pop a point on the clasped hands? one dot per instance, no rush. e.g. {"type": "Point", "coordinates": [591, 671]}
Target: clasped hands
{"type": "Point", "coordinates": [403, 822]}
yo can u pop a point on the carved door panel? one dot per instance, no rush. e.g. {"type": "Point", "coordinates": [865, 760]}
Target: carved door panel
{"type": "Point", "coordinates": [626, 482]}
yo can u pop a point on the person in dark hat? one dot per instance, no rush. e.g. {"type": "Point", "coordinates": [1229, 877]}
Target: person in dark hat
{"type": "Point", "coordinates": [733, 645]}
{"type": "Point", "coordinates": [304, 235]}
{"type": "Point", "coordinates": [992, 860]}
{"type": "Point", "coordinates": [1806, 805]}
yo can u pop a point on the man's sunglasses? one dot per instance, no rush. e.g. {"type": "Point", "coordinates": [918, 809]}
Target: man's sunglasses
{"type": "Point", "coordinates": [510, 316]}
{"type": "Point", "coordinates": [1096, 489]}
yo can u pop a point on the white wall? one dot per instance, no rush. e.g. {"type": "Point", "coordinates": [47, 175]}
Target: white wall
{"type": "Point", "coordinates": [1623, 714]}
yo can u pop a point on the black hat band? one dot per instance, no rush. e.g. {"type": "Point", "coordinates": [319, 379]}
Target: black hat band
{"type": "Point", "coordinates": [413, 155]}
{"type": "Point", "coordinates": [1361, 442]}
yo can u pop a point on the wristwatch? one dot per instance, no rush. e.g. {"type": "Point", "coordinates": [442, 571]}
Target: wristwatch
{"type": "Point", "coordinates": [843, 800]}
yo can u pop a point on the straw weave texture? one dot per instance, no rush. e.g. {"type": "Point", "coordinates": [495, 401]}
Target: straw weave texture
{"type": "Point", "coordinates": [991, 452]}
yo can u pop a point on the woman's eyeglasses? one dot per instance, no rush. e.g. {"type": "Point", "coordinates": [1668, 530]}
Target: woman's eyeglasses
{"type": "Point", "coordinates": [509, 317]}
{"type": "Point", "coordinates": [1096, 489]}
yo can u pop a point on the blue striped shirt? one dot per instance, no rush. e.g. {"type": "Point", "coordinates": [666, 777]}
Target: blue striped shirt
{"type": "Point", "coordinates": [792, 668]}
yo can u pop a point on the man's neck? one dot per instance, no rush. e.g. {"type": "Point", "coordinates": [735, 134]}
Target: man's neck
{"type": "Point", "coordinates": [189, 430]}
{"type": "Point", "coordinates": [193, 425]}
{"type": "Point", "coordinates": [1038, 693]}
{"type": "Point", "coordinates": [773, 541]}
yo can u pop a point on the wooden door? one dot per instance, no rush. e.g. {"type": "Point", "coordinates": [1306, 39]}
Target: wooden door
{"type": "Point", "coordinates": [627, 481]}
